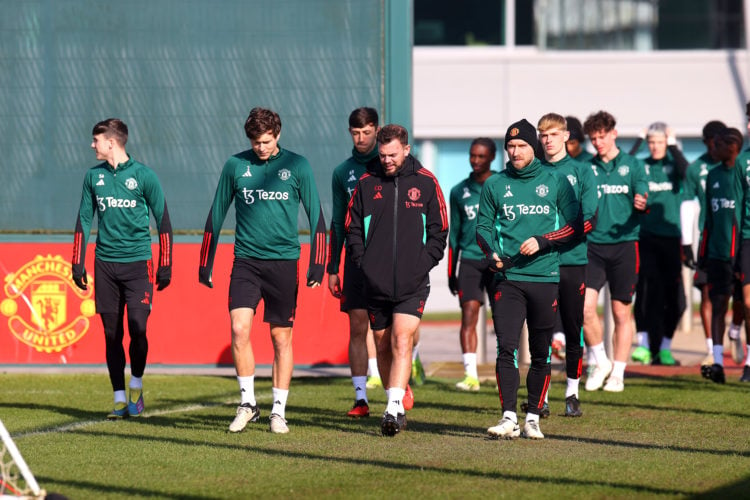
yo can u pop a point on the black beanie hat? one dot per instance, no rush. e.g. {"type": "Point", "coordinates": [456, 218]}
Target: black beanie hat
{"type": "Point", "coordinates": [575, 128]}
{"type": "Point", "coordinates": [522, 130]}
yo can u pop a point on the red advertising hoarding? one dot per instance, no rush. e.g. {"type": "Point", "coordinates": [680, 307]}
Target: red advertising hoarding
{"type": "Point", "coordinates": [46, 319]}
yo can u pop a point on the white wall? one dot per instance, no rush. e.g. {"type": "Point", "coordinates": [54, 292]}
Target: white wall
{"type": "Point", "coordinates": [465, 92]}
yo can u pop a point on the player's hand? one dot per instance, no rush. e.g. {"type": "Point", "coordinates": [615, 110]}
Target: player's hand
{"type": "Point", "coordinates": [79, 277]}
{"type": "Point", "coordinates": [204, 277]}
{"type": "Point", "coordinates": [453, 284]}
{"type": "Point", "coordinates": [529, 247]}
{"type": "Point", "coordinates": [687, 256]}
{"type": "Point", "coordinates": [334, 285]}
{"type": "Point", "coordinates": [639, 202]}
{"type": "Point", "coordinates": [313, 283]}
{"type": "Point", "coordinates": [163, 277]}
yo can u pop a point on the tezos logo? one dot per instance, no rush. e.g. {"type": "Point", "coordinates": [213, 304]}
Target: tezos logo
{"type": "Point", "coordinates": [284, 174]}
{"type": "Point", "coordinates": [41, 288]}
{"type": "Point", "coordinates": [131, 183]}
{"type": "Point", "coordinates": [250, 195]}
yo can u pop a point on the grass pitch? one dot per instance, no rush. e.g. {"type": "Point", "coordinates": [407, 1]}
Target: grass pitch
{"type": "Point", "coordinates": [673, 437]}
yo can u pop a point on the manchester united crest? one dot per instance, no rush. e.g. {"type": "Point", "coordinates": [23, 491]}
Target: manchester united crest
{"type": "Point", "coordinates": [414, 194]}
{"type": "Point", "coordinates": [38, 308]}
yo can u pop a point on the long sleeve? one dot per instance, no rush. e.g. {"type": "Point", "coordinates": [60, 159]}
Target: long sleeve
{"type": "Point", "coordinates": [355, 237]}
{"type": "Point", "coordinates": [568, 207]}
{"type": "Point", "coordinates": [338, 232]}
{"type": "Point", "coordinates": [437, 222]}
{"type": "Point", "coordinates": [222, 200]}
{"type": "Point", "coordinates": [454, 235]}
{"type": "Point", "coordinates": [311, 203]}
{"type": "Point", "coordinates": [154, 195]}
{"type": "Point", "coordinates": [589, 198]}
{"type": "Point", "coordinates": [679, 161]}
{"type": "Point", "coordinates": [485, 220]}
{"type": "Point", "coordinates": [83, 223]}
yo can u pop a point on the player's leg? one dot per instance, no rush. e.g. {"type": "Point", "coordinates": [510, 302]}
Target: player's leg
{"type": "Point", "coordinates": [596, 277]}
{"type": "Point", "coordinates": [110, 304]}
{"type": "Point", "coordinates": [508, 315]}
{"type": "Point", "coordinates": [137, 279]}
{"type": "Point", "coordinates": [542, 310]}
{"type": "Point", "coordinates": [700, 281]}
{"type": "Point", "coordinates": [279, 285]}
{"type": "Point", "coordinates": [571, 299]}
{"type": "Point", "coordinates": [674, 297]}
{"type": "Point", "coordinates": [720, 277]}
{"type": "Point", "coordinates": [471, 289]}
{"type": "Point", "coordinates": [244, 296]}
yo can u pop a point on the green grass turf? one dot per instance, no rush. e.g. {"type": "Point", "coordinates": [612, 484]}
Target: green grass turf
{"type": "Point", "coordinates": [673, 437]}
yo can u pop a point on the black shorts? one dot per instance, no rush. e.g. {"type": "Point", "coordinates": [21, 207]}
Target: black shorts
{"type": "Point", "coordinates": [720, 278]}
{"type": "Point", "coordinates": [353, 289]}
{"type": "Point", "coordinates": [381, 311]}
{"type": "Point", "coordinates": [616, 264]}
{"type": "Point", "coordinates": [120, 283]}
{"type": "Point", "coordinates": [274, 281]}
{"type": "Point", "coordinates": [745, 262]}
{"type": "Point", "coordinates": [700, 279]}
{"type": "Point", "coordinates": [474, 279]}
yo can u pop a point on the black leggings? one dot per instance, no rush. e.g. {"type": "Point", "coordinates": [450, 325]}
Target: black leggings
{"type": "Point", "coordinates": [572, 294]}
{"type": "Point", "coordinates": [536, 303]}
{"type": "Point", "coordinates": [114, 332]}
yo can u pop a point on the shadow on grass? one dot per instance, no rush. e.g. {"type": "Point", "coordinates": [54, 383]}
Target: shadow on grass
{"type": "Point", "coordinates": [108, 489]}
{"type": "Point", "coordinates": [552, 479]}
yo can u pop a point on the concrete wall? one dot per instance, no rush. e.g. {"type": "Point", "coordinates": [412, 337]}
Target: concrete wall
{"type": "Point", "coordinates": [464, 92]}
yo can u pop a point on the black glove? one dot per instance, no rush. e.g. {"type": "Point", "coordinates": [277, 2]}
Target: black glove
{"type": "Point", "coordinates": [163, 277]}
{"type": "Point", "coordinates": [315, 274]}
{"type": "Point", "coordinates": [687, 256]}
{"type": "Point", "coordinates": [204, 277]}
{"type": "Point", "coordinates": [492, 264]}
{"type": "Point", "coordinates": [79, 276]}
{"type": "Point", "coordinates": [453, 284]}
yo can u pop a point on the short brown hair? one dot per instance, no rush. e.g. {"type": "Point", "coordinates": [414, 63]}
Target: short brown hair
{"type": "Point", "coordinates": [112, 128]}
{"type": "Point", "coordinates": [601, 120]}
{"type": "Point", "coordinates": [361, 117]}
{"type": "Point", "coordinates": [262, 121]}
{"type": "Point", "coordinates": [551, 120]}
{"type": "Point", "coordinates": [391, 132]}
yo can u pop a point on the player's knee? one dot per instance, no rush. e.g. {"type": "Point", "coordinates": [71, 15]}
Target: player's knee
{"type": "Point", "coordinates": [137, 320]}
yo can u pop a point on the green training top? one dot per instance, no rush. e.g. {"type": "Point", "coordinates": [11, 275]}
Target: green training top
{"type": "Point", "coordinates": [723, 207]}
{"type": "Point", "coordinates": [695, 182]}
{"type": "Point", "coordinates": [665, 194]}
{"type": "Point", "coordinates": [743, 170]}
{"type": "Point", "coordinates": [584, 157]}
{"type": "Point", "coordinates": [267, 195]}
{"type": "Point", "coordinates": [343, 182]}
{"type": "Point", "coordinates": [464, 206]}
{"type": "Point", "coordinates": [516, 205]}
{"type": "Point", "coordinates": [122, 198]}
{"type": "Point", "coordinates": [583, 182]}
{"type": "Point", "coordinates": [618, 181]}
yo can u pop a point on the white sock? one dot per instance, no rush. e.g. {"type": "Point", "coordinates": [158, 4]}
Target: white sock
{"type": "Point", "coordinates": [415, 352]}
{"type": "Point", "coordinates": [360, 387]}
{"type": "Point", "coordinates": [734, 331]}
{"type": "Point", "coordinates": [532, 417]}
{"type": "Point", "coordinates": [747, 359]}
{"type": "Point", "coordinates": [719, 354]}
{"type": "Point", "coordinates": [279, 401]}
{"type": "Point", "coordinates": [120, 397]}
{"type": "Point", "coordinates": [559, 336]}
{"type": "Point", "coordinates": [136, 382]}
{"type": "Point", "coordinates": [395, 401]}
{"type": "Point", "coordinates": [247, 390]}
{"type": "Point", "coordinates": [666, 344]}
{"type": "Point", "coordinates": [511, 415]}
{"type": "Point", "coordinates": [618, 370]}
{"type": "Point", "coordinates": [572, 389]}
{"type": "Point", "coordinates": [590, 358]}
{"type": "Point", "coordinates": [470, 364]}
{"type": "Point", "coordinates": [709, 344]}
{"type": "Point", "coordinates": [372, 364]}
{"type": "Point", "coordinates": [546, 395]}
{"type": "Point", "coordinates": [600, 355]}
{"type": "Point", "coordinates": [642, 339]}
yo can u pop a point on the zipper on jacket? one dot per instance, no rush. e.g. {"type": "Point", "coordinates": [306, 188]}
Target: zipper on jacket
{"type": "Point", "coordinates": [395, 231]}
